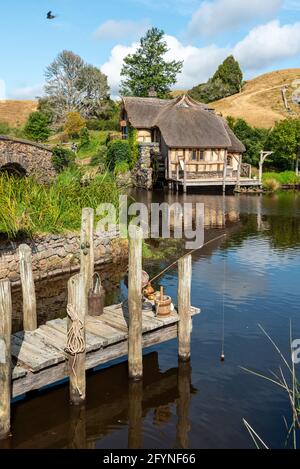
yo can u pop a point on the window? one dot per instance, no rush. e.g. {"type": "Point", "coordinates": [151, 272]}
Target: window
{"type": "Point", "coordinates": [194, 155]}
{"type": "Point", "coordinates": [201, 155]}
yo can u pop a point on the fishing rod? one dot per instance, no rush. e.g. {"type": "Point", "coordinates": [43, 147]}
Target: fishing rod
{"type": "Point", "coordinates": [185, 255]}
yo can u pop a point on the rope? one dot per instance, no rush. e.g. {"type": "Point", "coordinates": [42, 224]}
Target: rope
{"type": "Point", "coordinates": [75, 339]}
{"type": "Point", "coordinates": [185, 255]}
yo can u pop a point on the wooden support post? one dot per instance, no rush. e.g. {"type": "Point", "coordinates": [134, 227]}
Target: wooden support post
{"type": "Point", "coordinates": [87, 248]}
{"type": "Point", "coordinates": [184, 307]}
{"type": "Point", "coordinates": [135, 350]}
{"type": "Point", "coordinates": [238, 182]}
{"type": "Point", "coordinates": [5, 357]}
{"type": "Point", "coordinates": [183, 404]}
{"type": "Point", "coordinates": [77, 311]}
{"type": "Point", "coordinates": [261, 162]}
{"type": "Point", "coordinates": [225, 172]}
{"type": "Point", "coordinates": [77, 421]}
{"type": "Point", "coordinates": [184, 178]}
{"type": "Point", "coordinates": [135, 415]}
{"type": "Point", "coordinates": [28, 290]}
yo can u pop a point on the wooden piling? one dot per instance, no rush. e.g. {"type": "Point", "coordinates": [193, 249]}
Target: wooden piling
{"type": "Point", "coordinates": [87, 258]}
{"type": "Point", "coordinates": [135, 415]}
{"type": "Point", "coordinates": [28, 289]}
{"type": "Point", "coordinates": [5, 357]}
{"type": "Point", "coordinates": [77, 311]}
{"type": "Point", "coordinates": [184, 307]}
{"type": "Point", "coordinates": [135, 351]}
{"type": "Point", "coordinates": [183, 404]}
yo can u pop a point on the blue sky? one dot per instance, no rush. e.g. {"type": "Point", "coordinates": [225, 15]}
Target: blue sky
{"type": "Point", "coordinates": [264, 35]}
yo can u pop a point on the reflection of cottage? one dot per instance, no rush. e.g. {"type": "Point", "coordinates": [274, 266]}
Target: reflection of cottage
{"type": "Point", "coordinates": [197, 147]}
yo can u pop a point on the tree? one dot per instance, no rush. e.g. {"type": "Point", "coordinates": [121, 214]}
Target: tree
{"type": "Point", "coordinates": [227, 81]}
{"type": "Point", "coordinates": [74, 124]}
{"type": "Point", "coordinates": [253, 138]}
{"type": "Point", "coordinates": [284, 141]}
{"type": "Point", "coordinates": [62, 158]}
{"type": "Point", "coordinates": [147, 67]}
{"type": "Point", "coordinates": [73, 85]}
{"type": "Point", "coordinates": [37, 127]}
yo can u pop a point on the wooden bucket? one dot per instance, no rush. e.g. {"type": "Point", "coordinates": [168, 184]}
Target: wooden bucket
{"type": "Point", "coordinates": [163, 304]}
{"type": "Point", "coordinates": [96, 298]}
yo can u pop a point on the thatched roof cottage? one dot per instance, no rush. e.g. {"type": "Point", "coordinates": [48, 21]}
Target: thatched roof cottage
{"type": "Point", "coordinates": [197, 146]}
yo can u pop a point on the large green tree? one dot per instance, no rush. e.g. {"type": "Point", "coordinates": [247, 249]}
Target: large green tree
{"type": "Point", "coordinates": [37, 127]}
{"type": "Point", "coordinates": [284, 141]}
{"type": "Point", "coordinates": [147, 68]}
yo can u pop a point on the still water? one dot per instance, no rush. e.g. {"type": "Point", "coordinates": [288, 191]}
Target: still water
{"type": "Point", "coordinates": [255, 274]}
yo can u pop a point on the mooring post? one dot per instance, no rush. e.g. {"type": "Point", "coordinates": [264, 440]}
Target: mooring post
{"type": "Point", "coordinates": [135, 348]}
{"type": "Point", "coordinates": [183, 404]}
{"type": "Point", "coordinates": [87, 247]}
{"type": "Point", "coordinates": [28, 289]}
{"type": "Point", "coordinates": [184, 307]}
{"type": "Point", "coordinates": [5, 357]}
{"type": "Point", "coordinates": [135, 415]}
{"type": "Point", "coordinates": [76, 342]}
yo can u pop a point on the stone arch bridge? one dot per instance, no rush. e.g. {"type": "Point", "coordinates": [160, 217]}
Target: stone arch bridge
{"type": "Point", "coordinates": [25, 158]}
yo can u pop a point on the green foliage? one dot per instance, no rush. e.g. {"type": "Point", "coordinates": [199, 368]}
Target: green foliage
{"type": "Point", "coordinates": [100, 157]}
{"type": "Point", "coordinates": [121, 167]}
{"type": "Point", "coordinates": [31, 208]}
{"type": "Point", "coordinates": [5, 129]}
{"type": "Point", "coordinates": [37, 127]}
{"type": "Point", "coordinates": [101, 124]}
{"type": "Point", "coordinates": [97, 139]}
{"type": "Point", "coordinates": [147, 67]}
{"type": "Point", "coordinates": [227, 81]}
{"type": "Point", "coordinates": [271, 184]}
{"type": "Point", "coordinates": [62, 158]}
{"type": "Point", "coordinates": [284, 178]}
{"type": "Point", "coordinates": [284, 141]}
{"type": "Point", "coordinates": [134, 148]}
{"type": "Point", "coordinates": [118, 151]}
{"type": "Point", "coordinates": [84, 138]}
{"type": "Point", "coordinates": [253, 138]}
{"type": "Point", "coordinates": [74, 124]}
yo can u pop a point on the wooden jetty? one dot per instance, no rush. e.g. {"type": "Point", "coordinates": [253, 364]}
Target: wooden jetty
{"type": "Point", "coordinates": [66, 348]}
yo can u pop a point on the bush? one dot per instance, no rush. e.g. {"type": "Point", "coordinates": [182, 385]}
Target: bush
{"type": "Point", "coordinates": [84, 138]}
{"type": "Point", "coordinates": [121, 168]}
{"type": "Point", "coordinates": [4, 128]}
{"type": "Point", "coordinates": [271, 185]}
{"type": "Point", "coordinates": [286, 177]}
{"type": "Point", "coordinates": [100, 157]}
{"type": "Point", "coordinates": [62, 158]}
{"type": "Point", "coordinates": [74, 124]}
{"type": "Point", "coordinates": [118, 151]}
{"type": "Point", "coordinates": [103, 124]}
{"type": "Point", "coordinates": [37, 127]}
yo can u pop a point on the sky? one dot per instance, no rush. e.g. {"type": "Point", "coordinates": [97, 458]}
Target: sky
{"type": "Point", "coordinates": [263, 35]}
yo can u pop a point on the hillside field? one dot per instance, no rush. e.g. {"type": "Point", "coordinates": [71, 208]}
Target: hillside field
{"type": "Point", "coordinates": [15, 113]}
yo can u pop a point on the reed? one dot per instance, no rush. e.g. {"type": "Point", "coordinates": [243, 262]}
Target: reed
{"type": "Point", "coordinates": [29, 208]}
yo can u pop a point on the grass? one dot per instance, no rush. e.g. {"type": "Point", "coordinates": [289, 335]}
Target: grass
{"type": "Point", "coordinates": [273, 181]}
{"type": "Point", "coordinates": [97, 139]}
{"type": "Point", "coordinates": [15, 113]}
{"type": "Point", "coordinates": [29, 208]}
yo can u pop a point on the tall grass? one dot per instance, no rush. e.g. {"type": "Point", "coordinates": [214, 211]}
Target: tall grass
{"type": "Point", "coordinates": [27, 207]}
{"type": "Point", "coordinates": [286, 177]}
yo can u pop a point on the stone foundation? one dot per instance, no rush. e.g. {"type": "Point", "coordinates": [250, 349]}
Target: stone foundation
{"type": "Point", "coordinates": [54, 255]}
{"type": "Point", "coordinates": [142, 173]}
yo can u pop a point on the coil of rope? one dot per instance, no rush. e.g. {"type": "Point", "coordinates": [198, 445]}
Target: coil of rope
{"type": "Point", "coordinates": [75, 339]}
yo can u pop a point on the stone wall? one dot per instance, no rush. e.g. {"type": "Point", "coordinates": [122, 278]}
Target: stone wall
{"type": "Point", "coordinates": [34, 159]}
{"type": "Point", "coordinates": [53, 255]}
{"type": "Point", "coordinates": [142, 173]}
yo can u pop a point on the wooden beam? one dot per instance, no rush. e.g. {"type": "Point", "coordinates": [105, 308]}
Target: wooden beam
{"type": "Point", "coordinates": [135, 348]}
{"type": "Point", "coordinates": [28, 289]}
{"type": "Point", "coordinates": [225, 171]}
{"type": "Point", "coordinates": [87, 258]}
{"type": "Point", "coordinates": [5, 357]}
{"type": "Point", "coordinates": [238, 181]}
{"type": "Point", "coordinates": [184, 307]}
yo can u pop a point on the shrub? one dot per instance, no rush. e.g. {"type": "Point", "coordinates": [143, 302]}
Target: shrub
{"type": "Point", "coordinates": [118, 151]}
{"type": "Point", "coordinates": [121, 168]}
{"type": "Point", "coordinates": [62, 158]}
{"type": "Point", "coordinates": [74, 124]}
{"type": "Point", "coordinates": [37, 127]}
{"type": "Point", "coordinates": [271, 185]}
{"type": "Point", "coordinates": [99, 157]}
{"type": "Point", "coordinates": [4, 128]}
{"type": "Point", "coordinates": [134, 149]}
{"type": "Point", "coordinates": [103, 124]}
{"type": "Point", "coordinates": [84, 138]}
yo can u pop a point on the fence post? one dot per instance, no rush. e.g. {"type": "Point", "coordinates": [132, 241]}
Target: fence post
{"type": "Point", "coordinates": [5, 357]}
{"type": "Point", "coordinates": [184, 307]}
{"type": "Point", "coordinates": [28, 290]}
{"type": "Point", "coordinates": [87, 248]}
{"type": "Point", "coordinates": [135, 348]}
{"type": "Point", "coordinates": [76, 342]}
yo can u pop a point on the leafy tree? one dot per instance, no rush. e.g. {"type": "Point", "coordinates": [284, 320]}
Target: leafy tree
{"type": "Point", "coordinates": [62, 158]}
{"type": "Point", "coordinates": [227, 81]}
{"type": "Point", "coordinates": [118, 151]}
{"type": "Point", "coordinates": [284, 141]}
{"type": "Point", "coordinates": [37, 127]}
{"type": "Point", "coordinates": [73, 85]}
{"type": "Point", "coordinates": [253, 138]}
{"type": "Point", "coordinates": [147, 67]}
{"type": "Point", "coordinates": [74, 124]}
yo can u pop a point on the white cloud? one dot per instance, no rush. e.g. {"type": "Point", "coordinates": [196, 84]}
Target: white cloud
{"type": "Point", "coordinates": [2, 90]}
{"type": "Point", "coordinates": [217, 16]}
{"type": "Point", "coordinates": [112, 68]}
{"type": "Point", "coordinates": [26, 92]}
{"type": "Point", "coordinates": [118, 30]}
{"type": "Point", "coordinates": [268, 43]}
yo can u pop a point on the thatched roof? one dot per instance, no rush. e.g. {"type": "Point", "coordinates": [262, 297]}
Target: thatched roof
{"type": "Point", "coordinates": [183, 122]}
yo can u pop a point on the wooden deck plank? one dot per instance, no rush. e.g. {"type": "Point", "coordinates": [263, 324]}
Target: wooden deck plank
{"type": "Point", "coordinates": [18, 372]}
{"type": "Point", "coordinates": [93, 342]}
{"type": "Point", "coordinates": [110, 335]}
{"type": "Point", "coordinates": [34, 357]}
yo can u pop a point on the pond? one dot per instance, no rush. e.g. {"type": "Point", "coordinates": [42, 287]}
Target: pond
{"type": "Point", "coordinates": [249, 279]}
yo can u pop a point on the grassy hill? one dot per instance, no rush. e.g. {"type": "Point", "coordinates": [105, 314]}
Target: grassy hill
{"type": "Point", "coordinates": [15, 113]}
{"type": "Point", "coordinates": [260, 103]}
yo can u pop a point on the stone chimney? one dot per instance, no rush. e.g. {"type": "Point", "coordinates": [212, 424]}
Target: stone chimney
{"type": "Point", "coordinates": [152, 92]}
